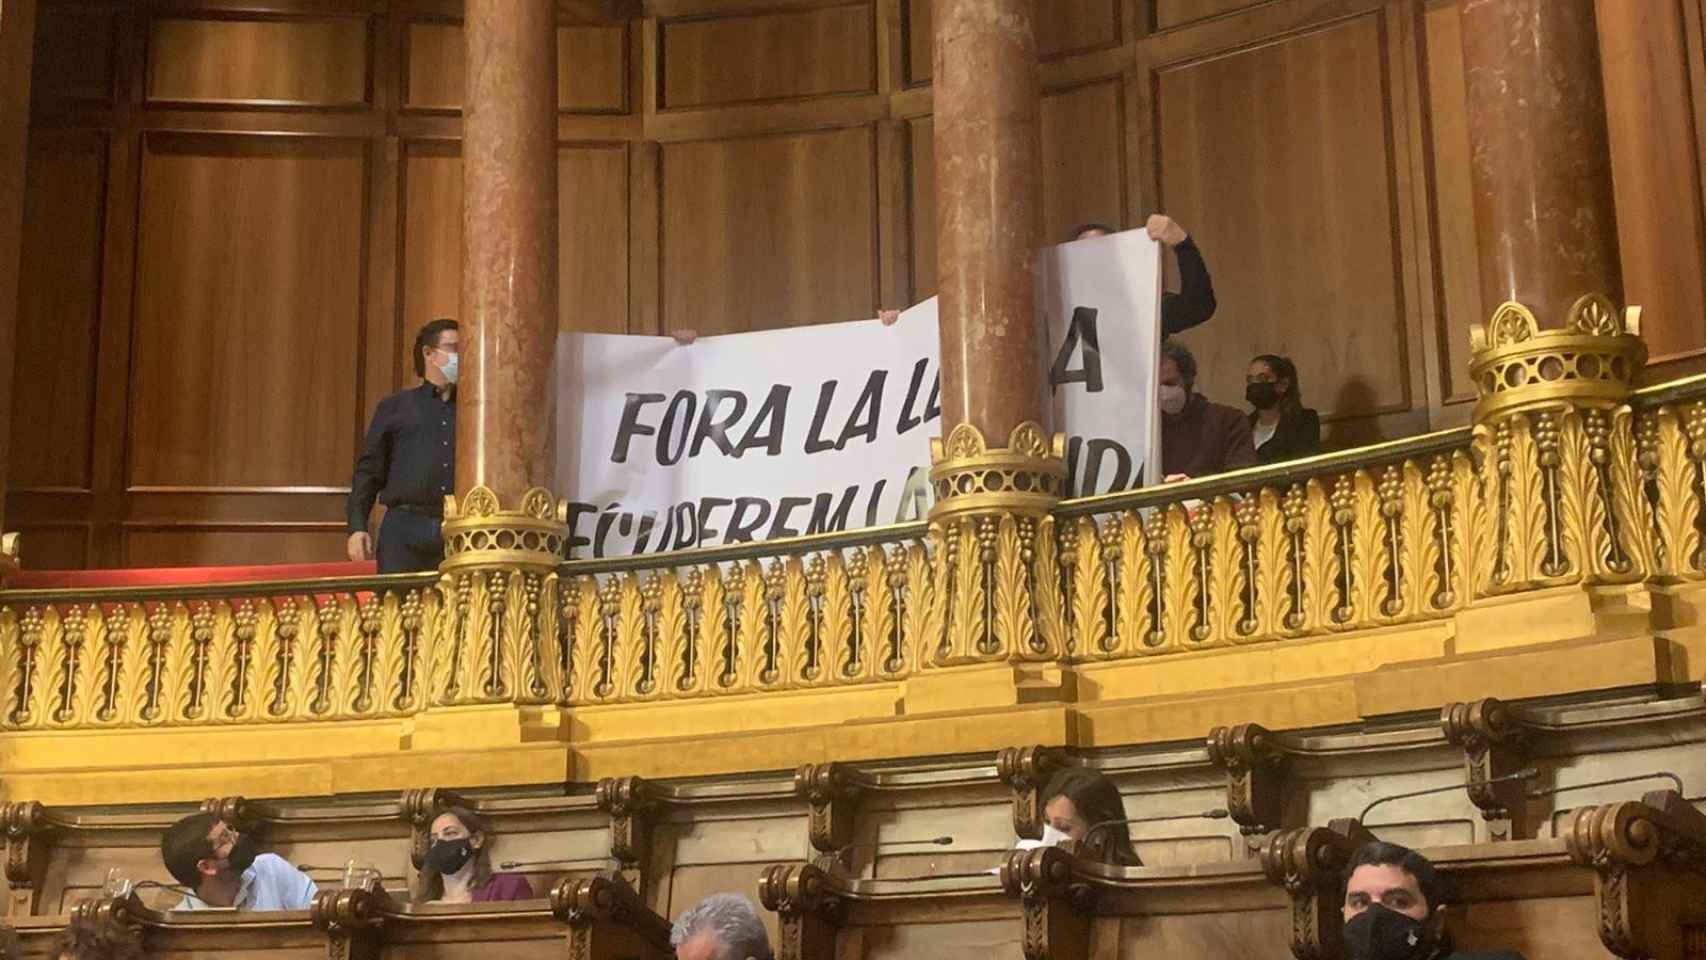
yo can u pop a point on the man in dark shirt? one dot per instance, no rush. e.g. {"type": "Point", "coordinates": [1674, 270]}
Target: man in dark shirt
{"type": "Point", "coordinates": [1194, 302]}
{"type": "Point", "coordinates": [1395, 908]}
{"type": "Point", "coordinates": [1198, 438]}
{"type": "Point", "coordinates": [409, 461]}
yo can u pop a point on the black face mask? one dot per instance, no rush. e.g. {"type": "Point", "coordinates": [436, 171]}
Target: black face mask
{"type": "Point", "coordinates": [1261, 395]}
{"type": "Point", "coordinates": [1380, 933]}
{"type": "Point", "coordinates": [448, 856]}
{"type": "Point", "coordinates": [243, 852]}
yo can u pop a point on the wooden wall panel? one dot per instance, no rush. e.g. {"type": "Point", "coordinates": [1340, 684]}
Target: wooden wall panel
{"type": "Point", "coordinates": [193, 545]}
{"type": "Point", "coordinates": [777, 55]}
{"type": "Point", "coordinates": [249, 298]}
{"type": "Point", "coordinates": [1454, 205]}
{"type": "Point", "coordinates": [431, 260]}
{"type": "Point", "coordinates": [592, 67]}
{"type": "Point", "coordinates": [1083, 158]}
{"type": "Point", "coordinates": [319, 61]}
{"type": "Point", "coordinates": [1176, 13]}
{"type": "Point", "coordinates": [53, 546]}
{"type": "Point", "coordinates": [1277, 159]}
{"type": "Point", "coordinates": [923, 196]}
{"type": "Point", "coordinates": [592, 249]}
{"type": "Point", "coordinates": [769, 232]}
{"type": "Point", "coordinates": [53, 397]}
{"type": "Point", "coordinates": [74, 53]}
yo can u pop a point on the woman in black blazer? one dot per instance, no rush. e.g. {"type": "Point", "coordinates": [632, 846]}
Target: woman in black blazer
{"type": "Point", "coordinates": [1284, 428]}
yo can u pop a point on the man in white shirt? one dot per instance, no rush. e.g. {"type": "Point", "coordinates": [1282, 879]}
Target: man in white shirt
{"type": "Point", "coordinates": [221, 868]}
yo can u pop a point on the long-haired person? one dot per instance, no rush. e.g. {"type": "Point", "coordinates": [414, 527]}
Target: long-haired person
{"type": "Point", "coordinates": [1086, 806]}
{"type": "Point", "coordinates": [1281, 426]}
{"type": "Point", "coordinates": [458, 866]}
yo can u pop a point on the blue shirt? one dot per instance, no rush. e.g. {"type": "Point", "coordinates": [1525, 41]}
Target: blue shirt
{"type": "Point", "coordinates": [270, 883]}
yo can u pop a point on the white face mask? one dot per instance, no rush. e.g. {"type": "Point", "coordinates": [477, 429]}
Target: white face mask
{"type": "Point", "coordinates": [1173, 398]}
{"type": "Point", "coordinates": [1053, 837]}
{"type": "Point", "coordinates": [451, 368]}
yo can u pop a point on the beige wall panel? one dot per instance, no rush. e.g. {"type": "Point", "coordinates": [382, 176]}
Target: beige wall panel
{"type": "Point", "coordinates": [1277, 160]}
{"type": "Point", "coordinates": [1083, 158]}
{"type": "Point", "coordinates": [922, 134]}
{"type": "Point", "coordinates": [752, 57]}
{"type": "Point", "coordinates": [248, 303]}
{"type": "Point", "coordinates": [73, 55]}
{"type": "Point", "coordinates": [591, 67]}
{"type": "Point", "coordinates": [1063, 27]}
{"type": "Point", "coordinates": [1544, 928]}
{"type": "Point", "coordinates": [1249, 935]}
{"type": "Point", "coordinates": [195, 546]}
{"type": "Point", "coordinates": [769, 232]}
{"type": "Point", "coordinates": [53, 393]}
{"type": "Point", "coordinates": [1454, 202]}
{"type": "Point", "coordinates": [320, 61]}
{"type": "Point", "coordinates": [592, 192]}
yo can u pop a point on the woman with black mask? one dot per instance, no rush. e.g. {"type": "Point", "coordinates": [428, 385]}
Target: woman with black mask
{"type": "Point", "coordinates": [1281, 426]}
{"type": "Point", "coordinates": [458, 866]}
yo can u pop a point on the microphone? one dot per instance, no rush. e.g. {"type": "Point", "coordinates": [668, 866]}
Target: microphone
{"type": "Point", "coordinates": [1218, 813]}
{"type": "Point", "coordinates": [1655, 775]}
{"type": "Point", "coordinates": [1526, 773]}
{"type": "Point", "coordinates": [512, 864]}
{"type": "Point", "coordinates": [304, 868]}
{"type": "Point", "coordinates": [186, 891]}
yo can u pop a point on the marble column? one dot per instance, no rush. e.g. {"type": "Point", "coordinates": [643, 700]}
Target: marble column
{"type": "Point", "coordinates": [1541, 160]}
{"type": "Point", "coordinates": [505, 422]}
{"type": "Point", "coordinates": [988, 214]}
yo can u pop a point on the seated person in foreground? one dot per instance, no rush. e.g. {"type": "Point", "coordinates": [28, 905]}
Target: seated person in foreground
{"type": "Point", "coordinates": [87, 939]}
{"type": "Point", "coordinates": [222, 869]}
{"type": "Point", "coordinates": [458, 866]}
{"type": "Point", "coordinates": [1282, 427]}
{"type": "Point", "coordinates": [1086, 806]}
{"type": "Point", "coordinates": [1395, 908]}
{"type": "Point", "coordinates": [723, 926]}
{"type": "Point", "coordinates": [1198, 438]}
{"type": "Point", "coordinates": [1194, 303]}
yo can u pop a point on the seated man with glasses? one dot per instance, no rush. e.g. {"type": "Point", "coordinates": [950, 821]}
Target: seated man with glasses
{"type": "Point", "coordinates": [221, 868]}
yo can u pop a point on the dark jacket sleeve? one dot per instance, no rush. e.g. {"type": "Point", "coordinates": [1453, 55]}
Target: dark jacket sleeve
{"type": "Point", "coordinates": [1307, 440]}
{"type": "Point", "coordinates": [372, 466]}
{"type": "Point", "coordinates": [1194, 303]}
{"type": "Point", "coordinates": [1240, 442]}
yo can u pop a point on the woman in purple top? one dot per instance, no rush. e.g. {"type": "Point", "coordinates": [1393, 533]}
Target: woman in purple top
{"type": "Point", "coordinates": [458, 866]}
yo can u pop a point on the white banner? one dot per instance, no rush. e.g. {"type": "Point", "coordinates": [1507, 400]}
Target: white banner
{"type": "Point", "coordinates": [817, 429]}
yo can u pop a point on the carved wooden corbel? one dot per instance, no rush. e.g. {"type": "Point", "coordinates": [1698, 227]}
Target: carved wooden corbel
{"type": "Point", "coordinates": [421, 806]}
{"type": "Point", "coordinates": [808, 912]}
{"type": "Point", "coordinates": [351, 919]}
{"type": "Point", "coordinates": [1309, 862]}
{"type": "Point", "coordinates": [1027, 771]}
{"type": "Point", "coordinates": [1649, 862]}
{"type": "Point", "coordinates": [1058, 913]}
{"type": "Point", "coordinates": [833, 794]}
{"type": "Point", "coordinates": [1255, 772]}
{"type": "Point", "coordinates": [630, 802]}
{"type": "Point", "coordinates": [1494, 742]}
{"type": "Point", "coordinates": [236, 812]}
{"type": "Point", "coordinates": [120, 910]}
{"type": "Point", "coordinates": [27, 833]}
{"type": "Point", "coordinates": [607, 918]}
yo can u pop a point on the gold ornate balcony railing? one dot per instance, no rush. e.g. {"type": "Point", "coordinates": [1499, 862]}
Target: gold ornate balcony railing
{"type": "Point", "coordinates": [1548, 489]}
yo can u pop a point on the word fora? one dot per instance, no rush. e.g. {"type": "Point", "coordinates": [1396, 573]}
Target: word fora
{"type": "Point", "coordinates": [687, 424]}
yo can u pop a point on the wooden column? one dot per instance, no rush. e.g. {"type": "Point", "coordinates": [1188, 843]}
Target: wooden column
{"type": "Point", "coordinates": [505, 420]}
{"type": "Point", "coordinates": [17, 53]}
{"type": "Point", "coordinates": [1540, 155]}
{"type": "Point", "coordinates": [988, 211]}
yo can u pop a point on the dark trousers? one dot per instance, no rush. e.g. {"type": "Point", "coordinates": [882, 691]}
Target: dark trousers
{"type": "Point", "coordinates": [409, 541]}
